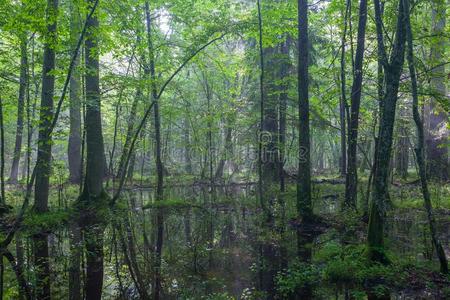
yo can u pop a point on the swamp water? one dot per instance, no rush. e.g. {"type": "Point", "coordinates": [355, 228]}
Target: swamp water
{"type": "Point", "coordinates": [215, 246]}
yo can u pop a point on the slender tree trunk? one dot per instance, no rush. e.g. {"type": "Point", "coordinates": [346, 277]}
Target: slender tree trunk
{"type": "Point", "coordinates": [392, 69]}
{"type": "Point", "coordinates": [74, 147]}
{"type": "Point", "coordinates": [284, 72]}
{"type": "Point", "coordinates": [43, 165]}
{"type": "Point", "coordinates": [343, 99]}
{"type": "Point", "coordinates": [93, 197]}
{"type": "Point", "coordinates": [23, 83]}
{"type": "Point", "coordinates": [420, 146]}
{"type": "Point", "coordinates": [159, 164]}
{"type": "Point", "coordinates": [304, 204]}
{"type": "Point", "coordinates": [351, 178]}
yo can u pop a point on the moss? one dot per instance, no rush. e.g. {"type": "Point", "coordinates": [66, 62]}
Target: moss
{"type": "Point", "coordinates": [95, 210]}
{"type": "Point", "coordinates": [46, 221]}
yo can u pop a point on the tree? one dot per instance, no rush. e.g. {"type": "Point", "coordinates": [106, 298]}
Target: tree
{"type": "Point", "coordinates": [304, 204]}
{"type": "Point", "coordinates": [351, 178]}
{"type": "Point", "coordinates": [43, 164]}
{"type": "Point", "coordinates": [74, 147]}
{"type": "Point", "coordinates": [23, 83]}
{"type": "Point", "coordinates": [392, 70]}
{"type": "Point", "coordinates": [437, 118]}
{"type": "Point", "coordinates": [420, 144]}
{"type": "Point", "coordinates": [93, 198]}
{"type": "Point", "coordinates": [159, 164]}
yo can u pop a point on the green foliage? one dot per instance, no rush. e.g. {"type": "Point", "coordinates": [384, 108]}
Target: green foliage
{"type": "Point", "coordinates": [298, 276]}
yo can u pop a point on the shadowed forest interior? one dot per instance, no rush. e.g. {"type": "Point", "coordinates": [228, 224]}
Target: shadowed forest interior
{"type": "Point", "coordinates": [224, 149]}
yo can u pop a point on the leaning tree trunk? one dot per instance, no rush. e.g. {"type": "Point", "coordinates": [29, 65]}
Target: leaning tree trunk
{"type": "Point", "coordinates": [351, 178]}
{"type": "Point", "coordinates": [23, 83]}
{"type": "Point", "coordinates": [420, 147]}
{"type": "Point", "coordinates": [93, 198]}
{"type": "Point", "coordinates": [392, 69]}
{"type": "Point", "coordinates": [43, 164]}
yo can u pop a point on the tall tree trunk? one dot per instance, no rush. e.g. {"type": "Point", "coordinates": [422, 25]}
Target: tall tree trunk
{"type": "Point", "coordinates": [23, 83]}
{"type": "Point", "coordinates": [351, 179]}
{"type": "Point", "coordinates": [437, 136]}
{"type": "Point", "coordinates": [159, 164]}
{"type": "Point", "coordinates": [343, 99]}
{"type": "Point", "coordinates": [304, 204]}
{"type": "Point", "coordinates": [74, 147]}
{"type": "Point", "coordinates": [43, 164]}
{"type": "Point", "coordinates": [284, 73]}
{"type": "Point", "coordinates": [420, 146]}
{"type": "Point", "coordinates": [392, 69]}
{"type": "Point", "coordinates": [93, 197]}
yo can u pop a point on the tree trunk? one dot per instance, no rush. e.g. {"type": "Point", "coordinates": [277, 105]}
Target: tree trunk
{"type": "Point", "coordinates": [228, 149]}
{"type": "Point", "coordinates": [437, 136]}
{"type": "Point", "coordinates": [402, 153]}
{"type": "Point", "coordinates": [392, 69]}
{"type": "Point", "coordinates": [304, 205]}
{"type": "Point", "coordinates": [20, 109]}
{"type": "Point", "coordinates": [74, 147]}
{"type": "Point", "coordinates": [43, 164]}
{"type": "Point", "coordinates": [420, 147]}
{"type": "Point", "coordinates": [159, 164]}
{"type": "Point", "coordinates": [351, 179]}
{"type": "Point", "coordinates": [343, 100]}
{"type": "Point", "coordinates": [93, 197]}
{"type": "Point", "coordinates": [130, 131]}
{"type": "Point", "coordinates": [284, 73]}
